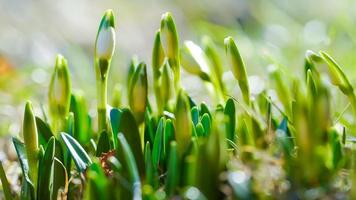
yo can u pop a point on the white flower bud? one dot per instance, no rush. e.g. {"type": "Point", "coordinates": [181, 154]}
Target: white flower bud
{"type": "Point", "coordinates": [105, 44]}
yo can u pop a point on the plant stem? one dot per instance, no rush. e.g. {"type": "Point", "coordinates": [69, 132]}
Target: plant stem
{"type": "Point", "coordinates": [101, 86]}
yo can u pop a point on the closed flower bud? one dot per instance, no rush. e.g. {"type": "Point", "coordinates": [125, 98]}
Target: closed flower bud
{"type": "Point", "coordinates": [183, 123]}
{"type": "Point", "coordinates": [166, 83]}
{"type": "Point", "coordinates": [237, 67]}
{"type": "Point", "coordinates": [337, 76]}
{"type": "Point", "coordinates": [157, 54]}
{"type": "Point", "coordinates": [105, 39]}
{"type": "Point", "coordinates": [31, 142]}
{"type": "Point", "coordinates": [169, 36]}
{"type": "Point", "coordinates": [138, 92]}
{"type": "Point", "coordinates": [158, 58]}
{"type": "Point", "coordinates": [59, 92]}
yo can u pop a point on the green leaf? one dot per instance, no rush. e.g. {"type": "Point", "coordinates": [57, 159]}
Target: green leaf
{"type": "Point", "coordinates": [129, 129]}
{"type": "Point", "coordinates": [129, 159]}
{"type": "Point", "coordinates": [312, 89]}
{"type": "Point", "coordinates": [245, 138]}
{"type": "Point", "coordinates": [115, 164]}
{"type": "Point", "coordinates": [115, 116]}
{"type": "Point", "coordinates": [45, 177]}
{"type": "Point", "coordinates": [80, 157]}
{"type": "Point", "coordinates": [237, 67]}
{"type": "Point", "coordinates": [149, 126]}
{"type": "Point", "coordinates": [230, 113]}
{"type": "Point", "coordinates": [168, 136]}
{"type": "Point", "coordinates": [200, 130]}
{"type": "Point", "coordinates": [70, 126]}
{"type": "Point", "coordinates": [189, 169]}
{"type": "Point", "coordinates": [151, 172]}
{"type": "Point", "coordinates": [103, 144]}
{"type": "Point", "coordinates": [204, 109]}
{"type": "Point", "coordinates": [206, 122]}
{"type": "Point", "coordinates": [44, 131]}
{"type": "Point", "coordinates": [211, 158]}
{"type": "Point", "coordinates": [195, 115]}
{"type": "Point", "coordinates": [27, 189]}
{"type": "Point", "coordinates": [157, 150]}
{"type": "Point", "coordinates": [5, 183]}
{"type": "Point", "coordinates": [78, 107]}
{"type": "Point", "coordinates": [337, 153]}
{"type": "Point", "coordinates": [191, 102]}
{"type": "Point", "coordinates": [98, 184]}
{"type": "Point", "coordinates": [173, 170]}
{"type": "Point", "coordinates": [60, 177]}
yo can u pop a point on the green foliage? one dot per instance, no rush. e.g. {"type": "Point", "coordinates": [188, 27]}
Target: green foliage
{"type": "Point", "coordinates": [45, 183]}
{"type": "Point", "coordinates": [5, 183]}
{"type": "Point", "coordinates": [80, 157]}
{"type": "Point", "coordinates": [249, 149]}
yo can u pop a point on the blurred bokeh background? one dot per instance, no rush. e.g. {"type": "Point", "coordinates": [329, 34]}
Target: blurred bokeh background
{"type": "Point", "coordinates": [32, 32]}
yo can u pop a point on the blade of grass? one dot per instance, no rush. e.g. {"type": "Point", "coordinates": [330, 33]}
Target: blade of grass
{"type": "Point", "coordinates": [173, 170]}
{"type": "Point", "coordinates": [5, 183]}
{"type": "Point", "coordinates": [132, 166]}
{"type": "Point", "coordinates": [45, 177]}
{"type": "Point", "coordinates": [27, 189]}
{"type": "Point", "coordinates": [80, 157]}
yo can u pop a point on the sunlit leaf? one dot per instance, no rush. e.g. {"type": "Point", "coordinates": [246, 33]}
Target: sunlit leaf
{"type": "Point", "coordinates": [80, 157]}
{"type": "Point", "coordinates": [45, 176]}
{"type": "Point", "coordinates": [132, 166]}
{"type": "Point", "coordinates": [129, 128]}
{"type": "Point", "coordinates": [27, 189]}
